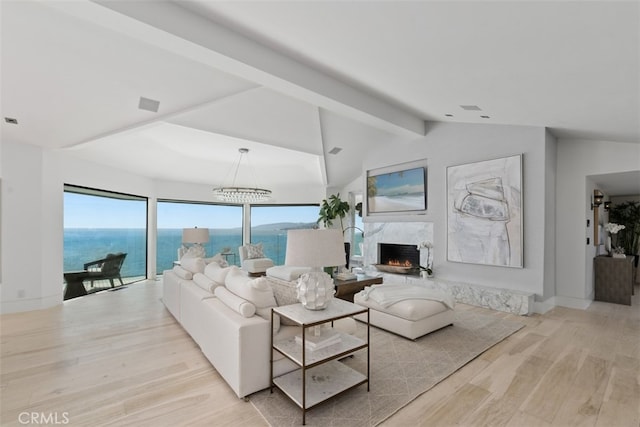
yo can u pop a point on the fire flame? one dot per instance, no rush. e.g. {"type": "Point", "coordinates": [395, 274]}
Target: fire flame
{"type": "Point", "coordinates": [397, 263]}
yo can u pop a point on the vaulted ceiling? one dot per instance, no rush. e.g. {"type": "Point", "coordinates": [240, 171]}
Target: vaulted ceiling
{"type": "Point", "coordinates": [294, 80]}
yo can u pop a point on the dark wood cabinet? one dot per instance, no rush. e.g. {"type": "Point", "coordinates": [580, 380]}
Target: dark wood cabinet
{"type": "Point", "coordinates": [613, 279]}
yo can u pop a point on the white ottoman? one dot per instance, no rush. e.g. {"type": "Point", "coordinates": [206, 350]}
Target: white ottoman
{"type": "Point", "coordinates": [410, 318]}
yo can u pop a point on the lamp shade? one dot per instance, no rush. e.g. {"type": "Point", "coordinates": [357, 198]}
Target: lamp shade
{"type": "Point", "coordinates": [315, 248]}
{"type": "Point", "coordinates": [195, 235]}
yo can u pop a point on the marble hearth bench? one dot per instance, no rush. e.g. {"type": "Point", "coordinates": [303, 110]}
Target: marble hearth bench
{"type": "Point", "coordinates": [507, 300]}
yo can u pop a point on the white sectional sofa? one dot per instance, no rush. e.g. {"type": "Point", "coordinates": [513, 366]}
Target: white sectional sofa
{"type": "Point", "coordinates": [227, 313]}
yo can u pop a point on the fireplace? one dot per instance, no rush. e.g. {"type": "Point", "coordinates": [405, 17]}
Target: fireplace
{"type": "Point", "coordinates": [398, 258]}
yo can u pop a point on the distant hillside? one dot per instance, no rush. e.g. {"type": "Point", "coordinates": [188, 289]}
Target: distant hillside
{"type": "Point", "coordinates": [285, 226]}
{"type": "Point", "coordinates": [278, 226]}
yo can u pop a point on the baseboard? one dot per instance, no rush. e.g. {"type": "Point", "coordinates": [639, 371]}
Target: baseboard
{"type": "Point", "coordinates": [30, 304]}
{"type": "Point", "coordinates": [577, 303]}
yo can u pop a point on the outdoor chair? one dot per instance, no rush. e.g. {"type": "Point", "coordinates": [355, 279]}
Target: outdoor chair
{"type": "Point", "coordinates": [107, 268]}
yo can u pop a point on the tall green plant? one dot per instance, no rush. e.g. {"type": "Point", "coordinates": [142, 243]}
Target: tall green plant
{"type": "Point", "coordinates": [331, 209]}
{"type": "Point", "coordinates": [627, 214]}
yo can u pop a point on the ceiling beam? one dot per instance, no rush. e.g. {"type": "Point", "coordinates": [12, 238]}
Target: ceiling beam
{"type": "Point", "coordinates": [187, 33]}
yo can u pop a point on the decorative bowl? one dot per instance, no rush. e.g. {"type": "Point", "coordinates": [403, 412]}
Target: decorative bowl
{"type": "Point", "coordinates": [395, 269]}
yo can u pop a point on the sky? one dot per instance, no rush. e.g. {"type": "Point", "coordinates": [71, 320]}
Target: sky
{"type": "Point", "coordinates": [402, 182]}
{"type": "Point", "coordinates": [83, 211]}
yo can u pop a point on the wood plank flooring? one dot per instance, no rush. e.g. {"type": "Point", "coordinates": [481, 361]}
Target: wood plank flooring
{"type": "Point", "coordinates": [120, 359]}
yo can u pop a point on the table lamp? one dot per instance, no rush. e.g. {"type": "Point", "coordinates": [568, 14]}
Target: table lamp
{"type": "Point", "coordinates": [196, 237]}
{"type": "Point", "coordinates": [315, 249]}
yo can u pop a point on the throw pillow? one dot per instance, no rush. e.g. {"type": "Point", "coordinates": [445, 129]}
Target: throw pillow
{"type": "Point", "coordinates": [285, 293]}
{"type": "Point", "coordinates": [256, 291]}
{"type": "Point", "coordinates": [216, 273]}
{"type": "Point", "coordinates": [194, 265]}
{"type": "Point", "coordinates": [255, 251]}
{"type": "Point", "coordinates": [234, 302]}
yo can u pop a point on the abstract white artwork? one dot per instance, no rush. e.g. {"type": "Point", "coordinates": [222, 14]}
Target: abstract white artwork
{"type": "Point", "coordinates": [484, 212]}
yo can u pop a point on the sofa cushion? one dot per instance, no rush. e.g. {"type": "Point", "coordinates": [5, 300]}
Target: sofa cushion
{"type": "Point", "coordinates": [216, 273]}
{"type": "Point", "coordinates": [254, 251]}
{"type": "Point", "coordinates": [234, 302]}
{"type": "Point", "coordinates": [409, 309]}
{"type": "Point", "coordinates": [205, 283]}
{"type": "Point", "coordinates": [194, 265]}
{"type": "Point", "coordinates": [182, 273]}
{"type": "Point", "coordinates": [256, 290]}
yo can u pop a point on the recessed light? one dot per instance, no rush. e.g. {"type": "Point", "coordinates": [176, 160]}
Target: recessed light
{"type": "Point", "coordinates": [11, 120]}
{"type": "Point", "coordinates": [485, 117]}
{"type": "Point", "coordinates": [471, 107]}
{"type": "Point", "coordinates": [148, 104]}
{"type": "Point", "coordinates": [335, 150]}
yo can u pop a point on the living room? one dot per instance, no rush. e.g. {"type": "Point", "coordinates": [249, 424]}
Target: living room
{"type": "Point", "coordinates": [563, 162]}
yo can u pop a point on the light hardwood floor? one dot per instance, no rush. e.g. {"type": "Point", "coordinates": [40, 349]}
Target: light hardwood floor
{"type": "Point", "coordinates": [119, 358]}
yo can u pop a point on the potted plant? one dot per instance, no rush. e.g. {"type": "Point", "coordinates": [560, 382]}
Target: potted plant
{"type": "Point", "coordinates": [628, 215]}
{"type": "Point", "coordinates": [331, 209]}
{"type": "Point", "coordinates": [427, 271]}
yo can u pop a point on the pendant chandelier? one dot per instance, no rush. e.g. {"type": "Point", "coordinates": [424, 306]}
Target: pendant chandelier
{"type": "Point", "coordinates": [235, 194]}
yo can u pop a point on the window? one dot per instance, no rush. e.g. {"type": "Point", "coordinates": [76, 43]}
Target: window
{"type": "Point", "coordinates": [357, 235]}
{"type": "Point", "coordinates": [224, 223]}
{"type": "Point", "coordinates": [97, 223]}
{"type": "Point", "coordinates": [269, 225]}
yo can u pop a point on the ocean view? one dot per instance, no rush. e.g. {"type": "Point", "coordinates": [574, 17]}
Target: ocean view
{"type": "Point", "coordinates": [83, 245]}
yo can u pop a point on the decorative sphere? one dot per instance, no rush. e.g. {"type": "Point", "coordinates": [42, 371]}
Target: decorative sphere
{"type": "Point", "coordinates": [315, 290]}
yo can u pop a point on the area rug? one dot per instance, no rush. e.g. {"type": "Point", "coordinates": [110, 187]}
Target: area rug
{"type": "Point", "coordinates": [401, 370]}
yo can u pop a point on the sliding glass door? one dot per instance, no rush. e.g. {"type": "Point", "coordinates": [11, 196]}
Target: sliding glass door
{"type": "Point", "coordinates": [98, 223]}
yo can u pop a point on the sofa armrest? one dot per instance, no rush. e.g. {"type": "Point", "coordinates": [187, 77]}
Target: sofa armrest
{"type": "Point", "coordinates": [238, 347]}
{"type": "Point", "coordinates": [171, 285]}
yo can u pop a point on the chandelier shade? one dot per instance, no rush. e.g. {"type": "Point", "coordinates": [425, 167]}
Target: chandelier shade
{"type": "Point", "coordinates": [242, 194]}
{"type": "Point", "coordinates": [237, 194]}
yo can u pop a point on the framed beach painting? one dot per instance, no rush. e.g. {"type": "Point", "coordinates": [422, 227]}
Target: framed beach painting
{"type": "Point", "coordinates": [484, 212]}
{"type": "Point", "coordinates": [397, 189]}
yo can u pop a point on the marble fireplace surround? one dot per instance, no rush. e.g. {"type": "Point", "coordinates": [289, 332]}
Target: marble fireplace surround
{"type": "Point", "coordinates": [413, 233]}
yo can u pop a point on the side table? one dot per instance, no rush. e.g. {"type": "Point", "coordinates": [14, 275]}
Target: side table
{"type": "Point", "coordinates": [613, 279]}
{"type": "Point", "coordinates": [321, 375]}
{"type": "Point", "coordinates": [228, 255]}
{"type": "Point", "coordinates": [75, 286]}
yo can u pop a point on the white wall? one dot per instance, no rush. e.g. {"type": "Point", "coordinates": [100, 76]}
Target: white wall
{"type": "Point", "coordinates": [454, 144]}
{"type": "Point", "coordinates": [32, 271]}
{"type": "Point", "coordinates": [577, 160]}
{"type": "Point", "coordinates": [551, 152]}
